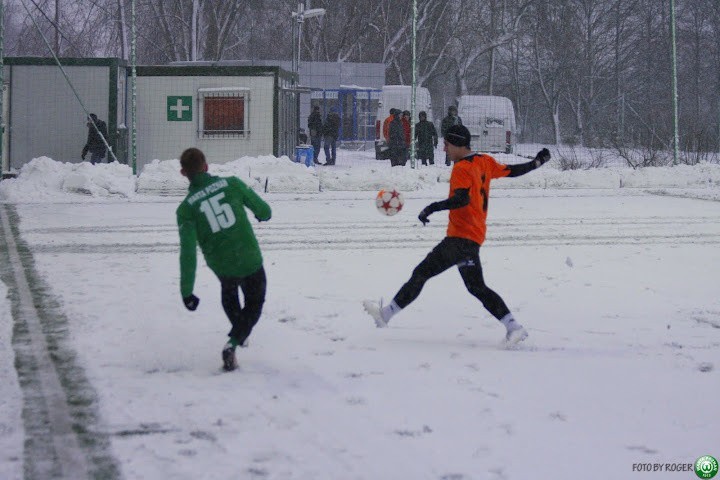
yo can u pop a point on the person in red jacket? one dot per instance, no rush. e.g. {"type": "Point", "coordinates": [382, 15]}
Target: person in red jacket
{"type": "Point", "coordinates": [468, 205]}
{"type": "Point", "coordinates": [386, 125]}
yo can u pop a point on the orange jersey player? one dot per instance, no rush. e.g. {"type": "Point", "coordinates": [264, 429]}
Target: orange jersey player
{"type": "Point", "coordinates": [468, 204]}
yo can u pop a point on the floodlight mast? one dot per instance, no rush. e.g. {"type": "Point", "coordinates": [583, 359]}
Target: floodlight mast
{"type": "Point", "coordinates": [2, 91]}
{"type": "Point", "coordinates": [300, 17]}
{"type": "Point", "coordinates": [314, 12]}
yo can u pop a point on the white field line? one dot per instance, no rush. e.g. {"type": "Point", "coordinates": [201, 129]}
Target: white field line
{"type": "Point", "coordinates": [70, 457]}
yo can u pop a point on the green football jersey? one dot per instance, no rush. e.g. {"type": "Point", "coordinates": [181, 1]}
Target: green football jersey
{"type": "Point", "coordinates": [213, 216]}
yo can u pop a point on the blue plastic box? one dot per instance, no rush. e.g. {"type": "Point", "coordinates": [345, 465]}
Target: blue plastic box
{"type": "Point", "coordinates": [305, 154]}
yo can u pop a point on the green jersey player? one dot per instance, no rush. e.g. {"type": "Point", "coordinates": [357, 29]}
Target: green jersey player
{"type": "Point", "coordinates": [213, 215]}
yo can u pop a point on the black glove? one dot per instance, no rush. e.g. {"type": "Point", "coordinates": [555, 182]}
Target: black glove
{"type": "Point", "coordinates": [191, 302]}
{"type": "Point", "coordinates": [542, 156]}
{"type": "Point", "coordinates": [423, 217]}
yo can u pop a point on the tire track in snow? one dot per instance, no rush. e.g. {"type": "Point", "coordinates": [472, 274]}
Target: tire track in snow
{"type": "Point", "coordinates": [57, 403]}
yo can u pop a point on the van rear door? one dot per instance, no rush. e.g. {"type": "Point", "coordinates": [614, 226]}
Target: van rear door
{"type": "Point", "coordinates": [493, 134]}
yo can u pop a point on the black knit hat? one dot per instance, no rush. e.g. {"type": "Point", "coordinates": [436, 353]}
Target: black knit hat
{"type": "Point", "coordinates": [458, 135]}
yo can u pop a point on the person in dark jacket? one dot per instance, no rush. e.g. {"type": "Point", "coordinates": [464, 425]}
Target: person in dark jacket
{"type": "Point", "coordinates": [396, 141]}
{"type": "Point", "coordinates": [406, 129]}
{"type": "Point", "coordinates": [315, 126]}
{"type": "Point", "coordinates": [331, 131]}
{"type": "Point", "coordinates": [447, 122]}
{"type": "Point", "coordinates": [97, 131]}
{"type": "Point", "coordinates": [427, 140]}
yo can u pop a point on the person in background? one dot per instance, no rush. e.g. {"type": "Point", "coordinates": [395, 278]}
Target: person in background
{"type": "Point", "coordinates": [96, 138]}
{"type": "Point", "coordinates": [396, 141]}
{"type": "Point", "coordinates": [406, 131]}
{"type": "Point", "coordinates": [447, 122]}
{"type": "Point", "coordinates": [331, 131]}
{"type": "Point", "coordinates": [427, 140]}
{"type": "Point", "coordinates": [213, 216]}
{"type": "Point", "coordinates": [315, 126]}
{"type": "Point", "coordinates": [386, 125]}
{"type": "Point", "coordinates": [468, 203]}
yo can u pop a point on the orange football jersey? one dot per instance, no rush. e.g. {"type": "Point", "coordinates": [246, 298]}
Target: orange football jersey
{"type": "Point", "coordinates": [474, 173]}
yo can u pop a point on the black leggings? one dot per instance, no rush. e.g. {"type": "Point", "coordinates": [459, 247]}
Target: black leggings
{"type": "Point", "coordinates": [243, 319]}
{"type": "Point", "coordinates": [466, 255]}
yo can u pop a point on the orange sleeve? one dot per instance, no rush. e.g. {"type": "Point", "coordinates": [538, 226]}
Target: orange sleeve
{"type": "Point", "coordinates": [496, 169]}
{"type": "Point", "coordinates": [461, 177]}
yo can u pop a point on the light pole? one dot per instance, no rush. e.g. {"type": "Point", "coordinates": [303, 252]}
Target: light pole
{"type": "Point", "coordinates": [2, 91]}
{"type": "Point", "coordinates": [300, 17]}
{"type": "Point", "coordinates": [676, 134]}
{"type": "Point", "coordinates": [298, 20]}
{"type": "Point", "coordinates": [413, 89]}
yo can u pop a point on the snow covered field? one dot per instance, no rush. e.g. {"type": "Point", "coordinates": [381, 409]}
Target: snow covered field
{"type": "Point", "coordinates": [618, 288]}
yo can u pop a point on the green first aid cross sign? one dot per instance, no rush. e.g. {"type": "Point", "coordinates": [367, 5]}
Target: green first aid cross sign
{"type": "Point", "coordinates": [179, 108]}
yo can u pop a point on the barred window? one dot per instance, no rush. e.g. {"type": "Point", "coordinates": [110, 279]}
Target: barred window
{"type": "Point", "coordinates": [223, 112]}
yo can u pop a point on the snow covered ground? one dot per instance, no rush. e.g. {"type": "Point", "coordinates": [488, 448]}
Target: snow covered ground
{"type": "Point", "coordinates": [618, 288]}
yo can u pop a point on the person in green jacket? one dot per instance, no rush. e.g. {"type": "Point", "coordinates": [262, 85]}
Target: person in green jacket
{"type": "Point", "coordinates": [213, 216]}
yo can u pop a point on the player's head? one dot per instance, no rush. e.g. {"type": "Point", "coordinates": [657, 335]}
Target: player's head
{"type": "Point", "coordinates": [422, 115]}
{"type": "Point", "coordinates": [452, 110]}
{"type": "Point", "coordinates": [192, 162]}
{"type": "Point", "coordinates": [457, 142]}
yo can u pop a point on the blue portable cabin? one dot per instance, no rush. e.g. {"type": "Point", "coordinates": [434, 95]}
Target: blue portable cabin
{"type": "Point", "coordinates": [357, 107]}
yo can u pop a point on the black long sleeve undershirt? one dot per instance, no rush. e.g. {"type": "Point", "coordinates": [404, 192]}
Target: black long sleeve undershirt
{"type": "Point", "coordinates": [460, 198]}
{"type": "Point", "coordinates": [523, 168]}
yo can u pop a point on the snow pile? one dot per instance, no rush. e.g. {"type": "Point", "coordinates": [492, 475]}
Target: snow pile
{"type": "Point", "coordinates": [262, 174]}
{"type": "Point", "coordinates": [162, 178]}
{"type": "Point", "coordinates": [271, 174]}
{"type": "Point", "coordinates": [380, 175]}
{"type": "Point", "coordinates": [680, 176]}
{"type": "Point", "coordinates": [44, 178]}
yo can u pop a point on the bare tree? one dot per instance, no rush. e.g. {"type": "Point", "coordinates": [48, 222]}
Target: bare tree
{"type": "Point", "coordinates": [597, 69]}
{"type": "Point", "coordinates": [552, 62]}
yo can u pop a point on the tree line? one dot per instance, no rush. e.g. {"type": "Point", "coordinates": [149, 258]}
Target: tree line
{"type": "Point", "coordinates": [580, 72]}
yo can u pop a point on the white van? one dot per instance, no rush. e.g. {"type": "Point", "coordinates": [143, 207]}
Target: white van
{"type": "Point", "coordinates": [491, 121]}
{"type": "Point", "coordinates": [400, 97]}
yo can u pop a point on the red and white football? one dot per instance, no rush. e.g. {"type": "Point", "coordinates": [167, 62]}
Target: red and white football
{"type": "Point", "coordinates": [389, 201]}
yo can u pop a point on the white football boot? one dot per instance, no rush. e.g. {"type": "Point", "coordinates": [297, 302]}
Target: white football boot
{"type": "Point", "coordinates": [375, 311]}
{"type": "Point", "coordinates": [515, 333]}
